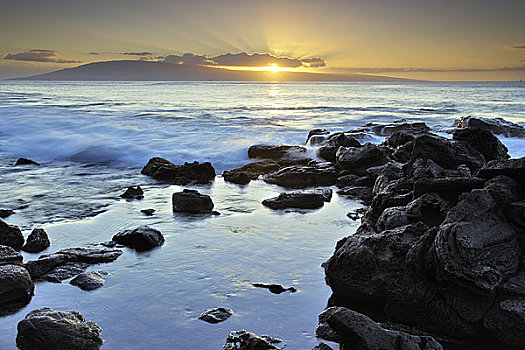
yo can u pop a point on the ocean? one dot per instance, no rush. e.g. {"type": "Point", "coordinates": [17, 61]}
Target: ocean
{"type": "Point", "coordinates": [92, 139]}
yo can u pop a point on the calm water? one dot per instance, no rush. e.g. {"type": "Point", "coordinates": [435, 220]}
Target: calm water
{"type": "Point", "coordinates": [92, 139]}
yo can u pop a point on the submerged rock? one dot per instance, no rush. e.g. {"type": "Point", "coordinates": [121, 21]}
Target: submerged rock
{"type": "Point", "coordinates": [25, 161]}
{"type": "Point", "coordinates": [216, 315]}
{"type": "Point", "coordinates": [133, 192]}
{"type": "Point", "coordinates": [11, 236]}
{"type": "Point", "coordinates": [37, 241]}
{"type": "Point", "coordinates": [275, 288]}
{"type": "Point", "coordinates": [16, 288]}
{"type": "Point", "coordinates": [302, 200]}
{"type": "Point", "coordinates": [4, 213]}
{"type": "Point", "coordinates": [498, 126]}
{"type": "Point", "coordinates": [275, 151]}
{"type": "Point", "coordinates": [188, 173]}
{"type": "Point", "coordinates": [244, 340]}
{"type": "Point", "coordinates": [313, 174]}
{"type": "Point", "coordinates": [89, 280]}
{"type": "Point", "coordinates": [45, 328]}
{"type": "Point", "coordinates": [191, 201]}
{"type": "Point", "coordinates": [9, 256]}
{"type": "Point", "coordinates": [143, 238]}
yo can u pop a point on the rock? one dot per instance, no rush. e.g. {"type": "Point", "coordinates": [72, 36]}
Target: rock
{"type": "Point", "coordinates": [140, 238]}
{"type": "Point", "coordinates": [323, 329]}
{"type": "Point", "coordinates": [353, 180]}
{"type": "Point", "coordinates": [147, 212]}
{"type": "Point", "coordinates": [64, 271]}
{"type": "Point", "coordinates": [449, 188]}
{"type": "Point", "coordinates": [237, 177]}
{"type": "Point", "coordinates": [4, 213]}
{"type": "Point", "coordinates": [359, 332]}
{"type": "Point", "coordinates": [483, 141]}
{"type": "Point", "coordinates": [275, 151]}
{"type": "Point", "coordinates": [358, 159]}
{"type": "Point", "coordinates": [498, 126]}
{"type": "Point", "coordinates": [16, 288]}
{"type": "Point", "coordinates": [322, 346]}
{"type": "Point", "coordinates": [316, 132]}
{"type": "Point", "coordinates": [402, 137]}
{"type": "Point", "coordinates": [25, 161]}
{"type": "Point", "coordinates": [46, 263]}
{"type": "Point", "coordinates": [397, 126]}
{"type": "Point", "coordinates": [314, 174]}
{"type": "Point", "coordinates": [515, 213]}
{"type": "Point", "coordinates": [363, 193]}
{"type": "Point", "coordinates": [275, 288]}
{"type": "Point", "coordinates": [191, 201]}
{"type": "Point", "coordinates": [514, 167]}
{"type": "Point", "coordinates": [302, 200]}
{"type": "Point", "coordinates": [326, 193]}
{"type": "Point", "coordinates": [45, 328]}
{"type": "Point", "coordinates": [216, 315]}
{"type": "Point", "coordinates": [244, 340]}
{"type": "Point", "coordinates": [37, 241]}
{"type": "Point", "coordinates": [89, 280]}
{"type": "Point", "coordinates": [9, 256]}
{"type": "Point", "coordinates": [133, 192]}
{"type": "Point", "coordinates": [252, 171]}
{"type": "Point", "coordinates": [328, 150]}
{"type": "Point", "coordinates": [92, 255]}
{"type": "Point", "coordinates": [188, 173]}
{"type": "Point", "coordinates": [506, 320]}
{"type": "Point", "coordinates": [11, 235]}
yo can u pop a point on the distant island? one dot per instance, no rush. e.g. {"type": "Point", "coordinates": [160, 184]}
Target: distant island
{"type": "Point", "coordinates": [153, 71]}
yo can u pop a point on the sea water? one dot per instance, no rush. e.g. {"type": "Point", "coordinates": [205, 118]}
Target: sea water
{"type": "Point", "coordinates": [92, 138]}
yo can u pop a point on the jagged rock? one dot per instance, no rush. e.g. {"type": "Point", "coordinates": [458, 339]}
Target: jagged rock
{"type": "Point", "coordinates": [316, 140]}
{"type": "Point", "coordinates": [498, 126]}
{"type": "Point", "coordinates": [244, 340]}
{"type": "Point", "coordinates": [216, 315]}
{"type": "Point", "coordinates": [514, 167]}
{"type": "Point", "coordinates": [275, 151]}
{"type": "Point", "coordinates": [140, 238]}
{"type": "Point", "coordinates": [37, 241]}
{"type": "Point", "coordinates": [275, 288]}
{"type": "Point", "coordinates": [359, 332]}
{"type": "Point", "coordinates": [402, 137]}
{"type": "Point", "coordinates": [483, 141]}
{"type": "Point", "coordinates": [449, 188]}
{"type": "Point", "coordinates": [16, 288]}
{"type": "Point", "coordinates": [191, 201]}
{"type": "Point", "coordinates": [147, 212]}
{"type": "Point", "coordinates": [353, 180]}
{"type": "Point", "coordinates": [506, 320]}
{"type": "Point", "coordinates": [9, 256]}
{"type": "Point", "coordinates": [326, 193]}
{"type": "Point", "coordinates": [314, 174]}
{"type": "Point", "coordinates": [329, 148]}
{"type": "Point", "coordinates": [4, 213]}
{"type": "Point", "coordinates": [302, 200]}
{"type": "Point", "coordinates": [92, 255]}
{"type": "Point", "coordinates": [397, 126]}
{"type": "Point", "coordinates": [89, 280]}
{"type": "Point", "coordinates": [25, 161]}
{"type": "Point", "coordinates": [322, 346]}
{"type": "Point", "coordinates": [363, 193]}
{"type": "Point", "coordinates": [515, 213]}
{"type": "Point", "coordinates": [358, 159]}
{"type": "Point", "coordinates": [238, 177]}
{"type": "Point", "coordinates": [46, 263]}
{"type": "Point", "coordinates": [133, 192]}
{"type": "Point", "coordinates": [64, 271]}
{"type": "Point", "coordinates": [11, 235]}
{"type": "Point", "coordinates": [45, 328]}
{"type": "Point", "coordinates": [188, 173]}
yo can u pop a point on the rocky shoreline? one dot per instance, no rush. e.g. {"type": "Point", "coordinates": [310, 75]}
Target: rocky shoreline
{"type": "Point", "coordinates": [436, 263]}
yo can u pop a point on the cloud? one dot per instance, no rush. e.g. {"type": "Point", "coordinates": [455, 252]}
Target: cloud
{"type": "Point", "coordinates": [430, 70]}
{"type": "Point", "coordinates": [518, 46]}
{"type": "Point", "coordinates": [145, 53]}
{"type": "Point", "coordinates": [189, 58]}
{"type": "Point", "coordinates": [314, 62]}
{"type": "Point", "coordinates": [38, 55]}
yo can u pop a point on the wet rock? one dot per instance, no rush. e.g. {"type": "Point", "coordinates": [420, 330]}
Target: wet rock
{"type": "Point", "coordinates": [254, 170]}
{"type": "Point", "coordinates": [514, 168]}
{"type": "Point", "coordinates": [11, 235]}
{"type": "Point", "coordinates": [244, 340]}
{"type": "Point", "coordinates": [239, 177]}
{"type": "Point", "coordinates": [322, 346]}
{"type": "Point", "coordinates": [314, 174]}
{"type": "Point", "coordinates": [141, 238]}
{"type": "Point", "coordinates": [498, 126]}
{"type": "Point", "coordinates": [483, 141]}
{"type": "Point", "coordinates": [216, 315]}
{"type": "Point", "coordinates": [9, 256]}
{"type": "Point", "coordinates": [275, 288]}
{"type": "Point", "coordinates": [275, 151]}
{"type": "Point", "coordinates": [191, 201]}
{"type": "Point", "coordinates": [188, 173]}
{"type": "Point", "coordinates": [316, 132]}
{"type": "Point", "coordinates": [449, 188]}
{"type": "Point", "coordinates": [46, 263]}
{"type": "Point", "coordinates": [4, 213]}
{"type": "Point", "coordinates": [356, 214]}
{"type": "Point", "coordinates": [64, 271]}
{"type": "Point", "coordinates": [358, 159]}
{"type": "Point", "coordinates": [89, 280]}
{"type": "Point", "coordinates": [92, 255]}
{"type": "Point", "coordinates": [353, 180]}
{"type": "Point", "coordinates": [46, 328]}
{"type": "Point", "coordinates": [329, 148]}
{"type": "Point", "coordinates": [147, 212]}
{"type": "Point", "coordinates": [37, 241]}
{"type": "Point", "coordinates": [16, 288]}
{"type": "Point", "coordinates": [133, 192]}
{"type": "Point", "coordinates": [397, 126]}
{"type": "Point", "coordinates": [402, 137]}
{"type": "Point", "coordinates": [302, 200]}
{"type": "Point", "coordinates": [25, 161]}
{"type": "Point", "coordinates": [326, 193]}
{"type": "Point", "coordinates": [363, 193]}
{"type": "Point", "coordinates": [323, 329]}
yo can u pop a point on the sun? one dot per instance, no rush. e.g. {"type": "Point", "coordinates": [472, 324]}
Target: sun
{"type": "Point", "coordinates": [274, 68]}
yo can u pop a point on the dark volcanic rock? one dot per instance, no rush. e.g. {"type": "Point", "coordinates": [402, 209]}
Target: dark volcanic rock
{"type": "Point", "coordinates": [252, 171]}
{"type": "Point", "coordinates": [483, 141]}
{"type": "Point", "coordinates": [46, 263]}
{"type": "Point", "coordinates": [358, 159]}
{"type": "Point", "coordinates": [133, 192]}
{"type": "Point", "coordinates": [16, 288]}
{"type": "Point", "coordinates": [25, 161]}
{"type": "Point", "coordinates": [89, 280]}
{"type": "Point", "coordinates": [237, 177]}
{"type": "Point", "coordinates": [191, 201]}
{"type": "Point", "coordinates": [216, 315]}
{"type": "Point", "coordinates": [514, 167]}
{"type": "Point", "coordinates": [449, 188]}
{"type": "Point", "coordinates": [363, 193]}
{"type": "Point", "coordinates": [275, 151]}
{"type": "Point", "coordinates": [64, 271]}
{"type": "Point", "coordinates": [302, 200]}
{"type": "Point", "coordinates": [244, 340]}
{"type": "Point", "coordinates": [45, 328]}
{"type": "Point", "coordinates": [328, 149]}
{"type": "Point", "coordinates": [397, 126]}
{"type": "Point", "coordinates": [9, 256]}
{"type": "Point", "coordinates": [316, 140]}
{"type": "Point", "coordinates": [314, 174]}
{"type": "Point", "coordinates": [147, 212]}
{"type": "Point", "coordinates": [322, 346]}
{"type": "Point", "coordinates": [496, 126]}
{"type": "Point", "coordinates": [275, 288]}
{"type": "Point", "coordinates": [4, 213]}
{"type": "Point", "coordinates": [515, 213]}
{"type": "Point", "coordinates": [188, 173]}
{"type": "Point", "coordinates": [92, 255]}
{"type": "Point", "coordinates": [37, 241]}
{"type": "Point", "coordinates": [11, 235]}
{"type": "Point", "coordinates": [143, 238]}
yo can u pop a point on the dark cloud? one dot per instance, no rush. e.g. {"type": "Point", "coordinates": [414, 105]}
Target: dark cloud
{"type": "Point", "coordinates": [38, 55]}
{"type": "Point", "coordinates": [314, 62]}
{"type": "Point", "coordinates": [430, 70]}
{"type": "Point", "coordinates": [145, 53]}
{"type": "Point", "coordinates": [518, 46]}
{"type": "Point", "coordinates": [189, 58]}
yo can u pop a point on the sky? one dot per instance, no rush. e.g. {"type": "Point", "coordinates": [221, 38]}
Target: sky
{"type": "Point", "coordinates": [417, 39]}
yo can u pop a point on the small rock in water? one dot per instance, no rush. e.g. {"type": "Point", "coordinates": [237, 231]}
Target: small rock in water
{"type": "Point", "coordinates": [142, 238]}
{"type": "Point", "coordinates": [92, 255]}
{"type": "Point", "coordinates": [133, 192]}
{"type": "Point", "coordinates": [275, 151]}
{"type": "Point", "coordinates": [65, 271]}
{"type": "Point", "coordinates": [9, 256]}
{"type": "Point", "coordinates": [164, 170]}
{"type": "Point", "coordinates": [148, 212]}
{"type": "Point", "coordinates": [89, 280]}
{"type": "Point", "coordinates": [244, 340]}
{"type": "Point", "coordinates": [191, 201]}
{"type": "Point", "coordinates": [216, 315]}
{"type": "Point", "coordinates": [301, 200]}
{"type": "Point", "coordinates": [275, 288]}
{"type": "Point", "coordinates": [37, 241]}
{"type": "Point", "coordinates": [25, 161]}
{"type": "Point", "coordinates": [46, 328]}
{"type": "Point", "coordinates": [5, 213]}
{"type": "Point", "coordinates": [11, 235]}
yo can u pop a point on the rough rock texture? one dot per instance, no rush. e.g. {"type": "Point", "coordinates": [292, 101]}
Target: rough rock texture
{"type": "Point", "coordinates": [188, 173]}
{"type": "Point", "coordinates": [483, 141]}
{"type": "Point", "coordinates": [275, 151]}
{"type": "Point", "coordinates": [4, 213]}
{"type": "Point", "coordinates": [191, 201]}
{"type": "Point", "coordinates": [37, 241]}
{"type": "Point", "coordinates": [89, 280]}
{"type": "Point", "coordinates": [514, 167]}
{"type": "Point", "coordinates": [363, 193]}
{"type": "Point", "coordinates": [252, 171]}
{"type": "Point", "coordinates": [319, 133]}
{"type": "Point", "coordinates": [133, 192]}
{"type": "Point", "coordinates": [302, 200]}
{"type": "Point", "coordinates": [140, 238]}
{"type": "Point", "coordinates": [358, 159]}
{"type": "Point", "coordinates": [496, 126]}
{"type": "Point", "coordinates": [244, 340]}
{"type": "Point", "coordinates": [397, 126]}
{"type": "Point", "coordinates": [449, 188]}
{"type": "Point", "coordinates": [313, 174]}
{"type": "Point", "coordinates": [16, 288]}
{"type": "Point", "coordinates": [47, 329]}
{"type": "Point", "coordinates": [92, 255]}
{"type": "Point", "coordinates": [322, 346]}
{"type": "Point", "coordinates": [9, 256]}
{"type": "Point", "coordinates": [46, 263]}
{"type": "Point", "coordinates": [25, 161]}
{"type": "Point", "coordinates": [11, 235]}
{"type": "Point", "coordinates": [216, 315]}
{"type": "Point", "coordinates": [64, 271]}
{"type": "Point", "coordinates": [329, 148]}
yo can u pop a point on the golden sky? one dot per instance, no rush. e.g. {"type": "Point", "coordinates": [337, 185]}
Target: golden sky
{"type": "Point", "coordinates": [419, 39]}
